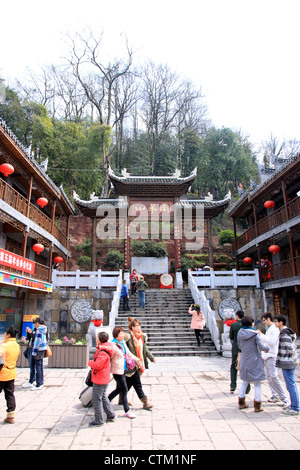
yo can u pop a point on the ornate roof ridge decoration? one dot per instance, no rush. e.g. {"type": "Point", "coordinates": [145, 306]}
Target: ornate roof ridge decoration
{"type": "Point", "coordinates": [207, 202]}
{"type": "Point", "coordinates": [174, 178]}
{"type": "Point", "coordinates": [94, 202]}
{"type": "Point", "coordinates": [41, 168]}
{"type": "Point", "coordinates": [276, 172]}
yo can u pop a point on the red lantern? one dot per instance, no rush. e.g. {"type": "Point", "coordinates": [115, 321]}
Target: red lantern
{"type": "Point", "coordinates": [58, 259]}
{"type": "Point", "coordinates": [42, 201]}
{"type": "Point", "coordinates": [38, 248]}
{"type": "Point", "coordinates": [247, 260]}
{"type": "Point", "coordinates": [274, 249]}
{"type": "Point", "coordinates": [6, 169]}
{"type": "Point", "coordinates": [269, 204]}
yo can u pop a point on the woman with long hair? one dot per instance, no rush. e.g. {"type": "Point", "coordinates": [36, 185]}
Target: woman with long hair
{"type": "Point", "coordinates": [136, 342]}
{"type": "Point", "coordinates": [198, 322]}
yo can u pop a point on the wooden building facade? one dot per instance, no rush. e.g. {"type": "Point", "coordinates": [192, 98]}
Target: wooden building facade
{"type": "Point", "coordinates": [34, 226]}
{"type": "Point", "coordinates": [270, 214]}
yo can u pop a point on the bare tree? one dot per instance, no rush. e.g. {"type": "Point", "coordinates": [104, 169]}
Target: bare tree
{"type": "Point", "coordinates": [98, 82]}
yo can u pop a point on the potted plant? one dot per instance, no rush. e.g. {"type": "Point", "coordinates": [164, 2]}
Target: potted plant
{"type": "Point", "coordinates": [69, 353]}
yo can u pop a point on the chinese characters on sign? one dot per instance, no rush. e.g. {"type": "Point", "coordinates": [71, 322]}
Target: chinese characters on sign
{"type": "Point", "coordinates": [16, 262]}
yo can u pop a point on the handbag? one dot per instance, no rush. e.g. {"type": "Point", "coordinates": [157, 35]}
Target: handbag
{"type": "Point", "coordinates": [130, 363]}
{"type": "Point", "coordinates": [48, 352]}
{"type": "Point", "coordinates": [25, 353]}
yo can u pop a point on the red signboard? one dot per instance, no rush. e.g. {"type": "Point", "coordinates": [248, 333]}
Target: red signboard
{"type": "Point", "coordinates": [16, 262]}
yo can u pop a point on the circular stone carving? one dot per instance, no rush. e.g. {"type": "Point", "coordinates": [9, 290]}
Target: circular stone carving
{"type": "Point", "coordinates": [228, 307]}
{"type": "Point", "coordinates": [81, 311]}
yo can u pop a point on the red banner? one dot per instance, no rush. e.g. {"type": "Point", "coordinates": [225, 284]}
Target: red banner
{"type": "Point", "coordinates": [16, 262]}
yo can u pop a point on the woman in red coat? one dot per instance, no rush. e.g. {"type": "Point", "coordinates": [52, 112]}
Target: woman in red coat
{"type": "Point", "coordinates": [198, 322]}
{"type": "Point", "coordinates": [101, 377]}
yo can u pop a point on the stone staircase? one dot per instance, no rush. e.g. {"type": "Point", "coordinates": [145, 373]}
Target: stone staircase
{"type": "Point", "coordinates": [166, 321]}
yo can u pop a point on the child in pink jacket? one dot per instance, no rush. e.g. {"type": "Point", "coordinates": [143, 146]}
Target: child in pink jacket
{"type": "Point", "coordinates": [101, 377]}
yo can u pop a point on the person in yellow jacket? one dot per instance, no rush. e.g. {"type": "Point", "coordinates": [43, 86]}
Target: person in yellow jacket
{"type": "Point", "coordinates": [9, 353]}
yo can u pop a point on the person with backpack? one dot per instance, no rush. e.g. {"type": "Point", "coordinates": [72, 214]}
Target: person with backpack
{"type": "Point", "coordinates": [287, 359]}
{"type": "Point", "coordinates": [100, 365]}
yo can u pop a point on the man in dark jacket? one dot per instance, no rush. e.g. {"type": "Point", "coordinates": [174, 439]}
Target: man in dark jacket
{"type": "Point", "coordinates": [233, 332]}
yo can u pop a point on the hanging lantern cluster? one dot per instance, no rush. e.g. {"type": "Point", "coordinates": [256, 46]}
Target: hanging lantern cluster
{"type": "Point", "coordinates": [6, 169]}
{"type": "Point", "coordinates": [247, 260]}
{"type": "Point", "coordinates": [58, 259]}
{"type": "Point", "coordinates": [38, 248]}
{"type": "Point", "coordinates": [274, 249]}
{"type": "Point", "coordinates": [269, 204]}
{"type": "Point", "coordinates": [42, 202]}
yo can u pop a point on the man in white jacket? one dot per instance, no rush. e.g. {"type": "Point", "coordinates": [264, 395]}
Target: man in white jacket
{"type": "Point", "coordinates": [271, 338]}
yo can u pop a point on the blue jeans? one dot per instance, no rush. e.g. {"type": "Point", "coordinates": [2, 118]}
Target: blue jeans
{"type": "Point", "coordinates": [141, 298]}
{"type": "Point", "coordinates": [38, 366]}
{"type": "Point", "coordinates": [289, 378]}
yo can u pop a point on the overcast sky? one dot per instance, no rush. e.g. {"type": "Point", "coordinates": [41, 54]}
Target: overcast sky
{"type": "Point", "coordinates": [244, 54]}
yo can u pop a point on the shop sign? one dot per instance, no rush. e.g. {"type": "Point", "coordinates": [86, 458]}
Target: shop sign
{"type": "Point", "coordinates": [16, 262]}
{"type": "Point", "coordinates": [20, 281]}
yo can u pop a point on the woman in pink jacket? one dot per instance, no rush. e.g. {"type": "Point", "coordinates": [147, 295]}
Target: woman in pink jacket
{"type": "Point", "coordinates": [101, 377]}
{"type": "Point", "coordinates": [198, 322]}
{"type": "Point", "coordinates": [118, 367]}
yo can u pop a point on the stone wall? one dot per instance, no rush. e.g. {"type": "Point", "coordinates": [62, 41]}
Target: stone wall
{"type": "Point", "coordinates": [251, 301]}
{"type": "Point", "coordinates": [55, 309]}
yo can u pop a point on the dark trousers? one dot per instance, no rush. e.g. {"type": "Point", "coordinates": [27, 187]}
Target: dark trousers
{"type": "Point", "coordinates": [121, 389]}
{"type": "Point", "coordinates": [132, 285]}
{"type": "Point", "coordinates": [233, 371]}
{"type": "Point", "coordinates": [135, 382]}
{"type": "Point", "coordinates": [126, 303]}
{"type": "Point", "coordinates": [9, 389]}
{"type": "Point", "coordinates": [198, 334]}
{"type": "Point", "coordinates": [31, 362]}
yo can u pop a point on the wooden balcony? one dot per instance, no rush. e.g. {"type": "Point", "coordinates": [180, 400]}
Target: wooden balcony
{"type": "Point", "coordinates": [280, 271]}
{"type": "Point", "coordinates": [268, 223]}
{"type": "Point", "coordinates": [20, 203]}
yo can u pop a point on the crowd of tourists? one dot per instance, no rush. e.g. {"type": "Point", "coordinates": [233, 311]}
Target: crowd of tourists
{"type": "Point", "coordinates": [255, 355]}
{"type": "Point", "coordinates": [258, 356]}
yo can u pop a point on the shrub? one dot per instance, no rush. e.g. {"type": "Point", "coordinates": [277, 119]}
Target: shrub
{"type": "Point", "coordinates": [113, 260]}
{"type": "Point", "coordinates": [149, 248]}
{"type": "Point", "coordinates": [226, 236]}
{"type": "Point", "coordinates": [84, 263]}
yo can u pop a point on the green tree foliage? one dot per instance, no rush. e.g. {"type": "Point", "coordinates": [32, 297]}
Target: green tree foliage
{"type": "Point", "coordinates": [74, 150]}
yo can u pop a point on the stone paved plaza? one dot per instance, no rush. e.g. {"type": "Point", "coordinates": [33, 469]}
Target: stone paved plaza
{"type": "Point", "coordinates": [193, 410]}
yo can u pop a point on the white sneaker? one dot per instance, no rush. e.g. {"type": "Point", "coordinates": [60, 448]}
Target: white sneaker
{"type": "Point", "coordinates": [129, 415]}
{"type": "Point", "coordinates": [37, 388]}
{"type": "Point", "coordinates": [27, 385]}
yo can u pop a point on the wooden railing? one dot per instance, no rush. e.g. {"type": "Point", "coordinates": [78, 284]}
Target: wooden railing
{"type": "Point", "coordinates": [41, 272]}
{"type": "Point", "coordinates": [268, 223]}
{"type": "Point", "coordinates": [20, 203]}
{"type": "Point", "coordinates": [280, 271]}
